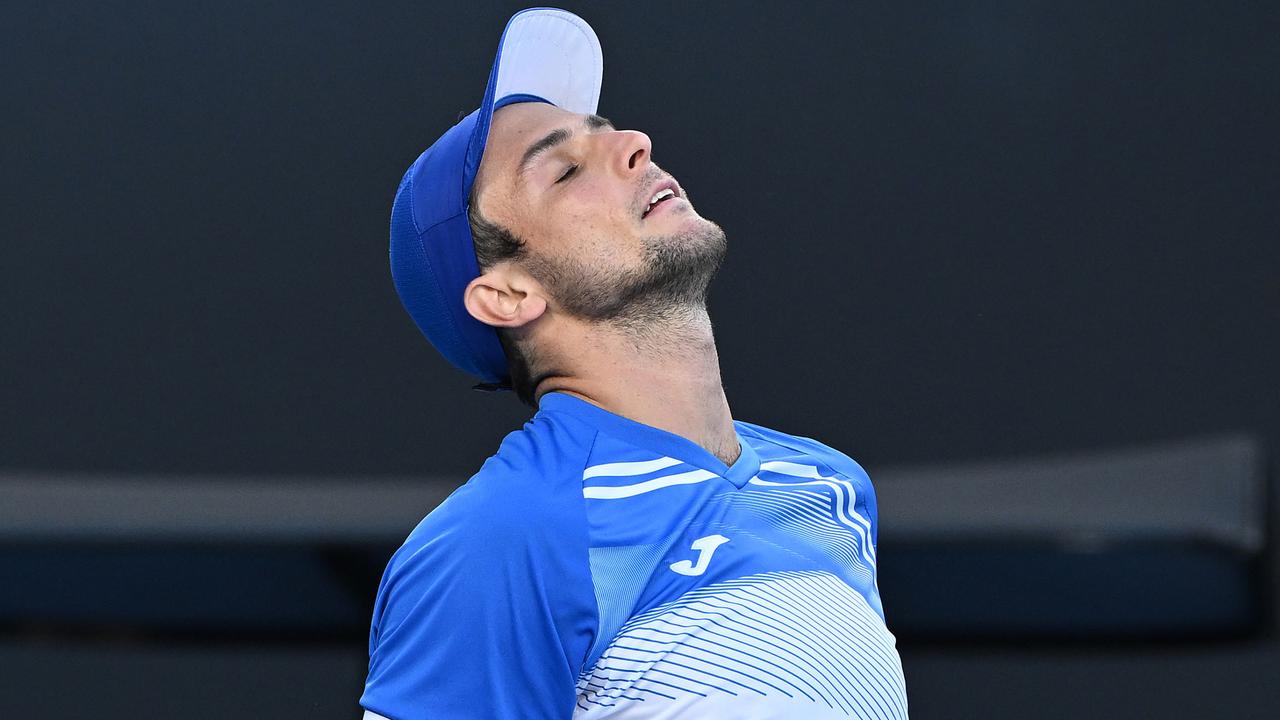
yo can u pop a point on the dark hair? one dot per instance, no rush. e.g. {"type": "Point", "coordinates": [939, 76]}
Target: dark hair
{"type": "Point", "coordinates": [494, 244]}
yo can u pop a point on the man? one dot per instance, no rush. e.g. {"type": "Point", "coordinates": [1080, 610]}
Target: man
{"type": "Point", "coordinates": [632, 552]}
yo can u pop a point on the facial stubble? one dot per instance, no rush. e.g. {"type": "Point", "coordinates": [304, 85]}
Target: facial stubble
{"type": "Point", "coordinates": [673, 279]}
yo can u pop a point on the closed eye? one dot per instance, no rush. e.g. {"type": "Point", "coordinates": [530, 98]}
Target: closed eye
{"type": "Point", "coordinates": [567, 173]}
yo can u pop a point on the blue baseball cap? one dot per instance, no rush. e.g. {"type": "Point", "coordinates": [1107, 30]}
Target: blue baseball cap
{"type": "Point", "coordinates": [545, 55]}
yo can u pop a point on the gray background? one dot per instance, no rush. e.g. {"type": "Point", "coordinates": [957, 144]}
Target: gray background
{"type": "Point", "coordinates": [957, 231]}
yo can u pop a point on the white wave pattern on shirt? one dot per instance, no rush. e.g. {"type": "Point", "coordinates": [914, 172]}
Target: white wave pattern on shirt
{"type": "Point", "coordinates": [845, 498]}
{"type": "Point", "coordinates": [808, 514]}
{"type": "Point", "coordinates": [763, 647]}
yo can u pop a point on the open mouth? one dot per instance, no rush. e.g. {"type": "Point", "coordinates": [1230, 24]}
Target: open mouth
{"type": "Point", "coordinates": [659, 197]}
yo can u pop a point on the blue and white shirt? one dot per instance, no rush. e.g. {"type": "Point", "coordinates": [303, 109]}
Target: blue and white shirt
{"type": "Point", "coordinates": [599, 568]}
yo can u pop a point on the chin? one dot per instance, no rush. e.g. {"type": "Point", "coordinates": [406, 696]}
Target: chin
{"type": "Point", "coordinates": [696, 246]}
{"type": "Point", "coordinates": [685, 222]}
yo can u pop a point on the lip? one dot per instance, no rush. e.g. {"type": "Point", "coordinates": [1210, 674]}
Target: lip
{"type": "Point", "coordinates": [667, 183]}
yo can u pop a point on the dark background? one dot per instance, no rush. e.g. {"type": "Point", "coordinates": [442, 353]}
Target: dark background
{"type": "Point", "coordinates": [957, 230]}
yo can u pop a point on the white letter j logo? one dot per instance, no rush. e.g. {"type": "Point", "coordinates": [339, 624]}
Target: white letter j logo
{"type": "Point", "coordinates": [706, 547]}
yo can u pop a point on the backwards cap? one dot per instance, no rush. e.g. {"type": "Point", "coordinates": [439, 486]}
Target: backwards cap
{"type": "Point", "coordinates": [545, 55]}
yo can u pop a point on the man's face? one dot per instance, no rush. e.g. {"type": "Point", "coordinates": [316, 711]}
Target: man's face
{"type": "Point", "coordinates": [580, 194]}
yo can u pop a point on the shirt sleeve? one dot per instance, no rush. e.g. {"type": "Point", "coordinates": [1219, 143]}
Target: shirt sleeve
{"type": "Point", "coordinates": [486, 611]}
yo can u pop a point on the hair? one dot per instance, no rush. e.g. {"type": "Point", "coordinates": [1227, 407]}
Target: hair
{"type": "Point", "coordinates": [494, 244]}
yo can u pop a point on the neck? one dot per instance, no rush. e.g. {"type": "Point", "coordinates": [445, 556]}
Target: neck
{"type": "Point", "coordinates": [665, 375]}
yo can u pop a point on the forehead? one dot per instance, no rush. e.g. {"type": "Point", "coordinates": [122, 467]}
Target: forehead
{"type": "Point", "coordinates": [513, 129]}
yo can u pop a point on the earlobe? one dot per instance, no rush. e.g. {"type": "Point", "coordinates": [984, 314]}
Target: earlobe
{"type": "Point", "coordinates": [494, 300]}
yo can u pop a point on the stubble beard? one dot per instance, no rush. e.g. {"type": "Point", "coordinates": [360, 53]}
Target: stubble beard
{"type": "Point", "coordinates": [670, 287]}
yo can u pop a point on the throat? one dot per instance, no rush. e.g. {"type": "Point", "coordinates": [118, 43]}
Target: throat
{"type": "Point", "coordinates": [662, 374]}
{"type": "Point", "coordinates": [729, 451]}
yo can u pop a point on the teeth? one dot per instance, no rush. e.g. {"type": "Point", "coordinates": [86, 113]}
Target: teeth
{"type": "Point", "coordinates": [659, 197]}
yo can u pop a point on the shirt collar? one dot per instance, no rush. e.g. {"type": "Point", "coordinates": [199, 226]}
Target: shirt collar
{"type": "Point", "coordinates": [652, 438]}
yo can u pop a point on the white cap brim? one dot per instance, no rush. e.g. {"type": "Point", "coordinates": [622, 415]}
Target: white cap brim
{"type": "Point", "coordinates": [551, 54]}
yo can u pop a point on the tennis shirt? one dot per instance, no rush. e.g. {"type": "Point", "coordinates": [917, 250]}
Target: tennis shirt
{"type": "Point", "coordinates": [596, 567]}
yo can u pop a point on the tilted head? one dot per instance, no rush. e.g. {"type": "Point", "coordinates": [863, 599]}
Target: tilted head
{"type": "Point", "coordinates": [568, 214]}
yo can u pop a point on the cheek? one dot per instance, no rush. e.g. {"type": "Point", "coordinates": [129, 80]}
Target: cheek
{"type": "Point", "coordinates": [578, 227]}
{"type": "Point", "coordinates": [587, 226]}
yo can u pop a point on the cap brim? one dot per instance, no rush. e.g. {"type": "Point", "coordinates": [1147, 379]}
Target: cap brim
{"type": "Point", "coordinates": [545, 55]}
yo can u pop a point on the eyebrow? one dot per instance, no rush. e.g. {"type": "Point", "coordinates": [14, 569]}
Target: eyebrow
{"type": "Point", "coordinates": [557, 137]}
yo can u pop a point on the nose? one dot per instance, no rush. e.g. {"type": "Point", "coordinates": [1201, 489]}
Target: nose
{"type": "Point", "coordinates": [629, 151]}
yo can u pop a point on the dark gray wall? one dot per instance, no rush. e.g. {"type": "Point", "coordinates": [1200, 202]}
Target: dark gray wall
{"type": "Point", "coordinates": [958, 230]}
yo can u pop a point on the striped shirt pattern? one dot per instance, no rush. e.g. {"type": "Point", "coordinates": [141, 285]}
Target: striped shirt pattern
{"type": "Point", "coordinates": [774, 644]}
{"type": "Point", "coordinates": [599, 569]}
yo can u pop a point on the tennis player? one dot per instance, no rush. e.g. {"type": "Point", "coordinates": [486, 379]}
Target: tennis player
{"type": "Point", "coordinates": [632, 552]}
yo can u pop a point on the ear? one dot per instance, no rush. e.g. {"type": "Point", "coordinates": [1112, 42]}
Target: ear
{"type": "Point", "coordinates": [503, 298]}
